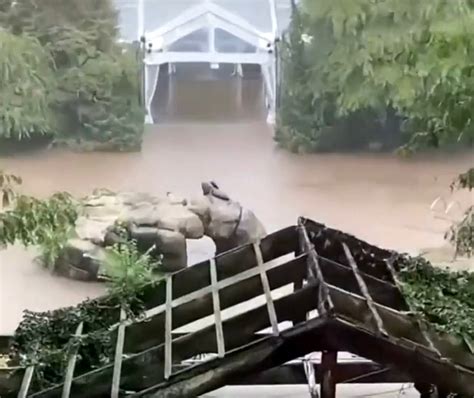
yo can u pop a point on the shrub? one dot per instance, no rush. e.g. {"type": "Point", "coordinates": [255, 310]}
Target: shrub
{"type": "Point", "coordinates": [412, 58]}
{"type": "Point", "coordinates": [26, 86]}
{"type": "Point", "coordinates": [94, 101]}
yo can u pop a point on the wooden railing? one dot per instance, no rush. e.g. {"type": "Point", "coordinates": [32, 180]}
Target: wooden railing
{"type": "Point", "coordinates": [349, 296]}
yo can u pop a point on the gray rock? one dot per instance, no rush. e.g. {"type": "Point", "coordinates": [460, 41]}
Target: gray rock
{"type": "Point", "coordinates": [165, 222]}
{"type": "Point", "coordinates": [80, 260]}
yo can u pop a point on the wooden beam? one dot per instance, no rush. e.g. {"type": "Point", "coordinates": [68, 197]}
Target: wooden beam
{"type": "Point", "coordinates": [314, 271]}
{"type": "Point", "coordinates": [118, 356]}
{"type": "Point", "coordinates": [26, 382]}
{"type": "Point", "coordinates": [71, 365]}
{"type": "Point", "coordinates": [267, 290]}
{"type": "Point", "coordinates": [217, 310]}
{"type": "Point", "coordinates": [168, 326]}
{"type": "Point", "coordinates": [350, 372]}
{"type": "Point", "coordinates": [328, 382]}
{"type": "Point", "coordinates": [365, 291]}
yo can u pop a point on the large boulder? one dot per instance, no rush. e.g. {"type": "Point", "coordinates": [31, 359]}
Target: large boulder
{"type": "Point", "coordinates": [161, 222]}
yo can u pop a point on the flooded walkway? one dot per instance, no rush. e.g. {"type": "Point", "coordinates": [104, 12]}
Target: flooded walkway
{"type": "Point", "coordinates": [380, 198]}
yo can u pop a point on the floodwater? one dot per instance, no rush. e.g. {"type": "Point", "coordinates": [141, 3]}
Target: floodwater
{"type": "Point", "coordinates": [217, 130]}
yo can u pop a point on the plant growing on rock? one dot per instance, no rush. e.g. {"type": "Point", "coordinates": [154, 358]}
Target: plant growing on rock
{"type": "Point", "coordinates": [128, 270]}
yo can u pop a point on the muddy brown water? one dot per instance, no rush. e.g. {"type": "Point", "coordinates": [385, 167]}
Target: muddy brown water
{"type": "Point", "coordinates": [207, 132]}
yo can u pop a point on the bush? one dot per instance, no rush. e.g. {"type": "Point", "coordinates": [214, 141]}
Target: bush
{"type": "Point", "coordinates": [412, 58]}
{"type": "Point", "coordinates": [95, 102]}
{"type": "Point", "coordinates": [26, 87]}
{"type": "Point", "coordinates": [461, 234]}
{"type": "Point", "coordinates": [99, 104]}
{"type": "Point", "coordinates": [442, 297]}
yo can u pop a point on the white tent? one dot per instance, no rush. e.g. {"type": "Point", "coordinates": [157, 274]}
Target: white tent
{"type": "Point", "coordinates": [251, 25]}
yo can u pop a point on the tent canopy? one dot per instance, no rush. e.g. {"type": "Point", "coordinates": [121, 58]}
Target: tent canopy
{"type": "Point", "coordinates": [206, 31]}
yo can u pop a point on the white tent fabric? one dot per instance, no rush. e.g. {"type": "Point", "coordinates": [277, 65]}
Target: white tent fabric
{"type": "Point", "coordinates": [206, 31]}
{"type": "Point", "coordinates": [159, 12]}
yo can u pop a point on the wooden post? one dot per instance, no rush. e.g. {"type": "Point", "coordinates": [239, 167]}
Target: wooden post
{"type": "Point", "coordinates": [217, 310]}
{"type": "Point", "coordinates": [365, 291]}
{"type": "Point", "coordinates": [118, 356]}
{"type": "Point", "coordinates": [297, 285]}
{"type": "Point", "coordinates": [328, 364]}
{"type": "Point", "coordinates": [26, 382]}
{"type": "Point", "coordinates": [71, 366]}
{"type": "Point", "coordinates": [266, 289]}
{"type": "Point", "coordinates": [325, 304]}
{"type": "Point", "coordinates": [168, 326]}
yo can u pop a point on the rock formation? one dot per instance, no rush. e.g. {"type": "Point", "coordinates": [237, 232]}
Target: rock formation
{"type": "Point", "coordinates": [165, 222]}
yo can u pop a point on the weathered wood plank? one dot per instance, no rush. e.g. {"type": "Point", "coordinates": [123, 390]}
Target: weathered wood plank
{"type": "Point", "coordinates": [365, 291]}
{"type": "Point", "coordinates": [26, 382]}
{"type": "Point", "coordinates": [217, 310]}
{"type": "Point", "coordinates": [328, 382]}
{"type": "Point", "coordinates": [71, 365]}
{"type": "Point", "coordinates": [266, 289]}
{"type": "Point", "coordinates": [118, 356]}
{"type": "Point", "coordinates": [351, 372]}
{"type": "Point", "coordinates": [168, 326]}
{"type": "Point", "coordinates": [314, 271]}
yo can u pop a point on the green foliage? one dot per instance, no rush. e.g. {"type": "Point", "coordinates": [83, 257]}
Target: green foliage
{"type": "Point", "coordinates": [461, 234]}
{"type": "Point", "coordinates": [26, 85]}
{"type": "Point", "coordinates": [8, 186]}
{"type": "Point", "coordinates": [47, 224]}
{"type": "Point", "coordinates": [28, 220]}
{"type": "Point", "coordinates": [442, 297]}
{"type": "Point", "coordinates": [413, 57]}
{"type": "Point", "coordinates": [464, 180]}
{"type": "Point", "coordinates": [99, 103]}
{"type": "Point", "coordinates": [47, 339]}
{"type": "Point", "coordinates": [68, 29]}
{"type": "Point", "coordinates": [128, 270]}
{"type": "Point", "coordinates": [94, 97]}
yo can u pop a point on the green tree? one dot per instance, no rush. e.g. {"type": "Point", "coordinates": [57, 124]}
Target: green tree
{"type": "Point", "coordinates": [413, 57]}
{"type": "Point", "coordinates": [26, 85]}
{"type": "Point", "coordinates": [96, 99]}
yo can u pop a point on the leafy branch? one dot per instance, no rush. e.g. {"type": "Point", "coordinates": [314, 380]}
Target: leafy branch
{"type": "Point", "coordinates": [443, 298]}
